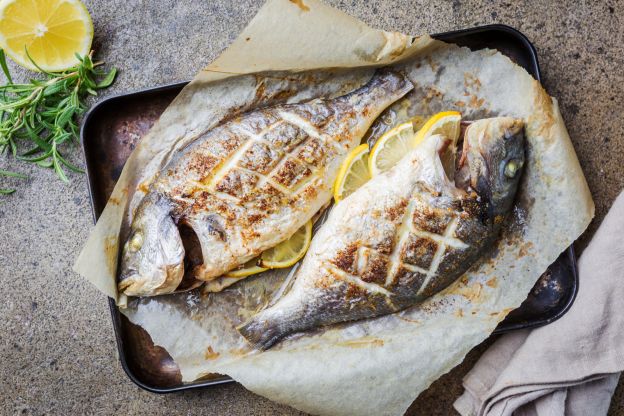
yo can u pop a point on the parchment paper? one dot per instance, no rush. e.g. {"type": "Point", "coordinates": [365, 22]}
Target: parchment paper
{"type": "Point", "coordinates": [377, 366]}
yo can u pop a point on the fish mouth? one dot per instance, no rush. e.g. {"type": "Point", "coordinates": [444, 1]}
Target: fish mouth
{"type": "Point", "coordinates": [169, 280]}
{"type": "Point", "coordinates": [129, 277]}
{"type": "Point", "coordinates": [131, 283]}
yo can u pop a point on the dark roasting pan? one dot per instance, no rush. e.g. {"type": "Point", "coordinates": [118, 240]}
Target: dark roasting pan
{"type": "Point", "coordinates": [113, 127]}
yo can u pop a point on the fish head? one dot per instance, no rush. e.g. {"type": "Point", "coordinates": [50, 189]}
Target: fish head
{"type": "Point", "coordinates": [492, 161]}
{"type": "Point", "coordinates": [152, 259]}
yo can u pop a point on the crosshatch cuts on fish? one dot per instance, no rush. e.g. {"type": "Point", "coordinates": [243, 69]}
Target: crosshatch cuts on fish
{"type": "Point", "coordinates": [246, 186]}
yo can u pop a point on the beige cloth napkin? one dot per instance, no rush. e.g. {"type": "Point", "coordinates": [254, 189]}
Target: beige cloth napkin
{"type": "Point", "coordinates": [572, 366]}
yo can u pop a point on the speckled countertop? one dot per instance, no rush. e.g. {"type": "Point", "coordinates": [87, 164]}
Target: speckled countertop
{"type": "Point", "coordinates": [57, 352]}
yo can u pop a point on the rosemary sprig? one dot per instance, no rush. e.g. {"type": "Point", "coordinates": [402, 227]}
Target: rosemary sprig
{"type": "Point", "coordinates": [38, 119]}
{"type": "Point", "coordinates": [7, 191]}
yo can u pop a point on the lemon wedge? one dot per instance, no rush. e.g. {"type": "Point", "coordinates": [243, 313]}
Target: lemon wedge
{"type": "Point", "coordinates": [288, 252]}
{"type": "Point", "coordinates": [247, 269]}
{"type": "Point", "coordinates": [390, 148]}
{"type": "Point", "coordinates": [446, 123]}
{"type": "Point", "coordinates": [52, 31]}
{"type": "Point", "coordinates": [353, 173]}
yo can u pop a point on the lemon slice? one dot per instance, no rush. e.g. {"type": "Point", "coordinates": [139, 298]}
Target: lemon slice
{"type": "Point", "coordinates": [285, 254]}
{"type": "Point", "coordinates": [220, 283]}
{"type": "Point", "coordinates": [247, 269]}
{"type": "Point", "coordinates": [446, 123]}
{"type": "Point", "coordinates": [390, 148]}
{"type": "Point", "coordinates": [288, 252]}
{"type": "Point", "coordinates": [353, 173]}
{"type": "Point", "coordinates": [53, 31]}
{"type": "Point", "coordinates": [395, 143]}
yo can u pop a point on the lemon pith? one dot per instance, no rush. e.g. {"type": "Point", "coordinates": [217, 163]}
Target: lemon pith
{"type": "Point", "coordinates": [52, 31]}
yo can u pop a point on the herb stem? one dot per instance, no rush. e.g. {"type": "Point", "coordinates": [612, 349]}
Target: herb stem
{"type": "Point", "coordinates": [38, 118]}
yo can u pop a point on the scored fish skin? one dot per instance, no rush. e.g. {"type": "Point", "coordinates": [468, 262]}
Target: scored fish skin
{"type": "Point", "coordinates": [247, 185]}
{"type": "Point", "coordinates": [403, 236]}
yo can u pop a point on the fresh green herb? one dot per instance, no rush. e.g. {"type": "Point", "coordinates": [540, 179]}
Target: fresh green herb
{"type": "Point", "coordinates": [38, 119]}
{"type": "Point", "coordinates": [7, 191]}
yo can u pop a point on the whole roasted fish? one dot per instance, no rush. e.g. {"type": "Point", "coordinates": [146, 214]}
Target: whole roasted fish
{"type": "Point", "coordinates": [403, 236]}
{"type": "Point", "coordinates": [245, 186]}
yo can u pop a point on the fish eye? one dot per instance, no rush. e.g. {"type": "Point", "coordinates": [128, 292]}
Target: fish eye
{"type": "Point", "coordinates": [136, 242]}
{"type": "Point", "coordinates": [512, 167]}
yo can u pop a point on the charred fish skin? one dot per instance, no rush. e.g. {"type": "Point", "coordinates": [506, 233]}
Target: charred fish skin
{"type": "Point", "coordinates": [403, 236]}
{"type": "Point", "coordinates": [250, 183]}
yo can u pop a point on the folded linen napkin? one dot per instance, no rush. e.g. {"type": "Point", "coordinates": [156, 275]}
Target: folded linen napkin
{"type": "Point", "coordinates": [572, 366]}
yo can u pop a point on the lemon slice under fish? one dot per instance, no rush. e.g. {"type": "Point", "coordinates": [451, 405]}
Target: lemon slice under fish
{"type": "Point", "coordinates": [285, 254]}
{"type": "Point", "coordinates": [288, 252]}
{"type": "Point", "coordinates": [395, 143]}
{"type": "Point", "coordinates": [52, 31]}
{"type": "Point", "coordinates": [353, 173]}
{"type": "Point", "coordinates": [247, 269]}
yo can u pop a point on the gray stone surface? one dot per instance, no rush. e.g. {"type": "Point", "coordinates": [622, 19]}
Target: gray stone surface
{"type": "Point", "coordinates": [57, 353]}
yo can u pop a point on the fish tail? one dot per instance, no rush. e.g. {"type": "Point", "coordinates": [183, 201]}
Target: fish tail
{"type": "Point", "coordinates": [260, 333]}
{"type": "Point", "coordinates": [269, 326]}
{"type": "Point", "coordinates": [384, 88]}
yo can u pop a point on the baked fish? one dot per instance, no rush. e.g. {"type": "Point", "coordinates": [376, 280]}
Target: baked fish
{"type": "Point", "coordinates": [245, 186]}
{"type": "Point", "coordinates": [403, 236]}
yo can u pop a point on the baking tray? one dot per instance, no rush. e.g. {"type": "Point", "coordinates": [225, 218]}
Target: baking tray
{"type": "Point", "coordinates": [114, 126]}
